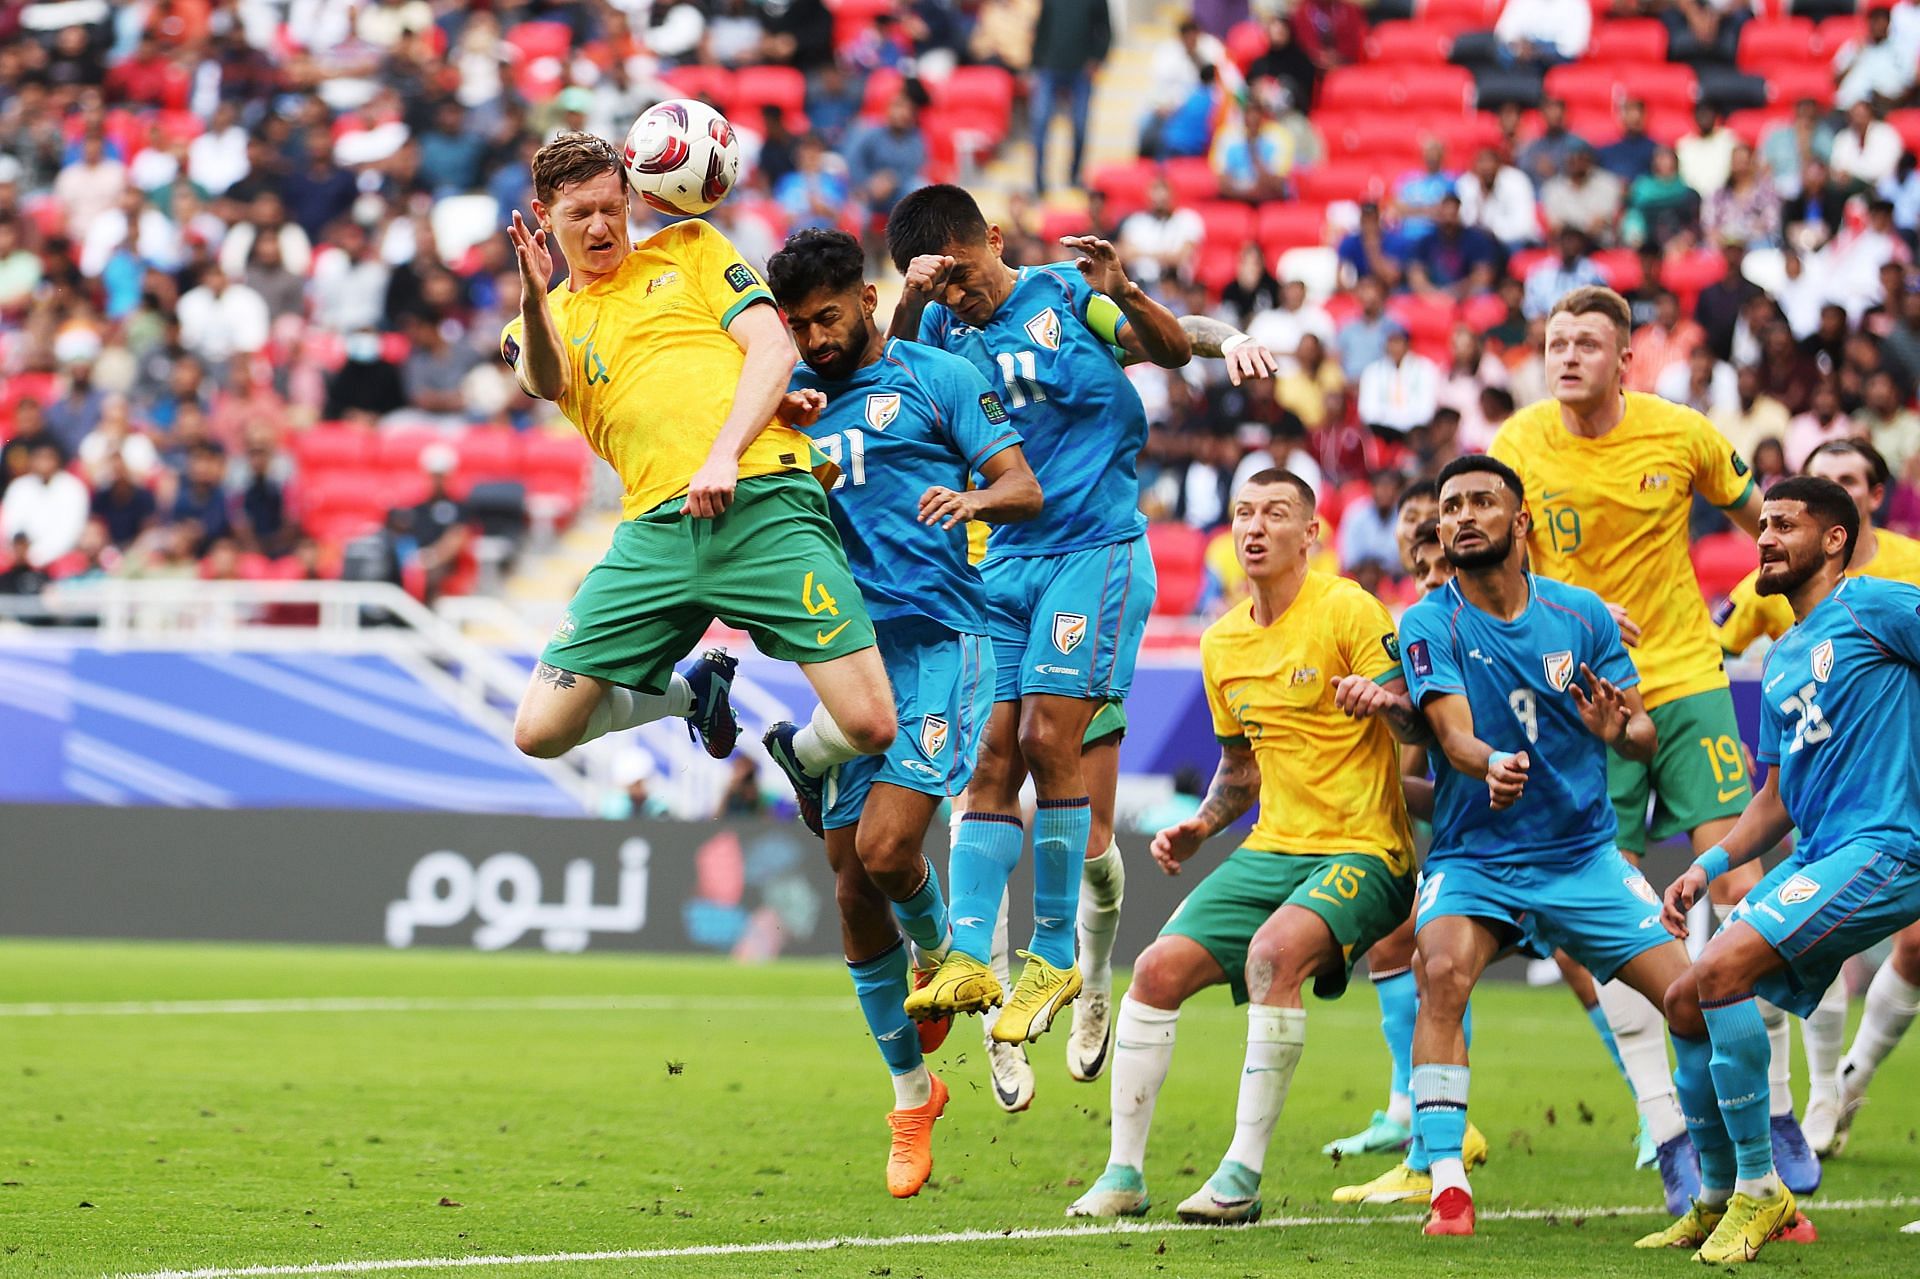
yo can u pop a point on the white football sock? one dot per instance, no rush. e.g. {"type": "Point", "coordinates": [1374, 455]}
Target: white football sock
{"type": "Point", "coordinates": [1400, 1109]}
{"type": "Point", "coordinates": [1759, 1187]}
{"type": "Point", "coordinates": [1890, 1008]}
{"type": "Point", "coordinates": [1142, 1051]}
{"type": "Point", "coordinates": [1449, 1174]}
{"type": "Point", "coordinates": [820, 744]}
{"type": "Point", "coordinates": [1639, 1032]}
{"type": "Point", "coordinates": [1000, 959]}
{"type": "Point", "coordinates": [623, 708]}
{"type": "Point", "coordinates": [913, 1089]}
{"type": "Point", "coordinates": [1824, 1035]}
{"type": "Point", "coordinates": [1103, 883]}
{"type": "Point", "coordinates": [1275, 1039]}
{"type": "Point", "coordinates": [1780, 1069]}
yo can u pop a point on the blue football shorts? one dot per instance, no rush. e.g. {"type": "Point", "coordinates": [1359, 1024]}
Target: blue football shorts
{"type": "Point", "coordinates": [943, 691]}
{"type": "Point", "coordinates": [1069, 624]}
{"type": "Point", "coordinates": [1601, 911]}
{"type": "Point", "coordinates": [1818, 914]}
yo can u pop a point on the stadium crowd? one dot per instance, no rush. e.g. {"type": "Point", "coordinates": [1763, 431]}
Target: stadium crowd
{"type": "Point", "coordinates": [243, 240]}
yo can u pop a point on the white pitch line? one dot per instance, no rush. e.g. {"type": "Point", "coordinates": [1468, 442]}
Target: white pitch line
{"type": "Point", "coordinates": [435, 1004]}
{"type": "Point", "coordinates": [955, 1236]}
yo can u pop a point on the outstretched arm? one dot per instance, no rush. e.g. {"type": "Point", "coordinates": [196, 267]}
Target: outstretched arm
{"type": "Point", "coordinates": [1152, 331]}
{"type": "Point", "coordinates": [1235, 789]}
{"type": "Point", "coordinates": [1451, 718]}
{"type": "Point", "coordinates": [1011, 494]}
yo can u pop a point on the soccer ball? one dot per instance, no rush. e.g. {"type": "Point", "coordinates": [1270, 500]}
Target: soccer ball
{"type": "Point", "coordinates": [681, 156]}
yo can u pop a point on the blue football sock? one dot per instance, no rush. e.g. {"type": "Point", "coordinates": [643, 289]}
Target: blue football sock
{"type": "Point", "coordinates": [985, 851]}
{"type": "Point", "coordinates": [1598, 1016]}
{"type": "Point", "coordinates": [1061, 828]}
{"type": "Point", "coordinates": [1399, 1006]}
{"type": "Point", "coordinates": [881, 984]}
{"type": "Point", "coordinates": [1440, 1109]}
{"type": "Point", "coordinates": [1466, 1023]}
{"type": "Point", "coordinates": [1700, 1107]}
{"type": "Point", "coordinates": [1741, 1053]}
{"type": "Point", "coordinates": [923, 916]}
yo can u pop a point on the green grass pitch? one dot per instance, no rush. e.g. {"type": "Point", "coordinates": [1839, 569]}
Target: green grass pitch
{"type": "Point", "coordinates": [521, 1105]}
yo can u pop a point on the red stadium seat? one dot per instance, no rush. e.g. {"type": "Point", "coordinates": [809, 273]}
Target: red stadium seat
{"type": "Point", "coordinates": [400, 447]}
{"type": "Point", "coordinates": [709, 84]}
{"type": "Point", "coordinates": [1607, 84]}
{"type": "Point", "coordinates": [1621, 267]}
{"type": "Point", "coordinates": [1246, 41]}
{"type": "Point", "coordinates": [1284, 226]}
{"type": "Point", "coordinates": [1766, 42]}
{"type": "Point", "coordinates": [1385, 136]}
{"type": "Point", "coordinates": [756, 88]}
{"type": "Point", "coordinates": [332, 448]}
{"type": "Point", "coordinates": [1753, 124]}
{"type": "Point", "coordinates": [851, 18]}
{"type": "Point", "coordinates": [1628, 40]}
{"type": "Point", "coordinates": [1841, 30]}
{"type": "Point", "coordinates": [1521, 264]}
{"type": "Point", "coordinates": [1192, 179]}
{"type": "Point", "coordinates": [978, 87]}
{"type": "Point", "coordinates": [489, 453]}
{"type": "Point", "coordinates": [1720, 560]}
{"type": "Point", "coordinates": [1460, 15]}
{"type": "Point", "coordinates": [883, 86]}
{"type": "Point", "coordinates": [1482, 312]}
{"type": "Point", "coordinates": [1416, 86]}
{"type": "Point", "coordinates": [1688, 273]}
{"type": "Point", "coordinates": [1055, 223]}
{"type": "Point", "coordinates": [1180, 561]}
{"type": "Point", "coordinates": [530, 40]}
{"type": "Point", "coordinates": [1788, 83]}
{"type": "Point", "coordinates": [1124, 185]}
{"type": "Point", "coordinates": [1401, 42]}
{"type": "Point", "coordinates": [1226, 221]}
{"type": "Point", "coordinates": [1329, 182]}
{"type": "Point", "coordinates": [1425, 315]}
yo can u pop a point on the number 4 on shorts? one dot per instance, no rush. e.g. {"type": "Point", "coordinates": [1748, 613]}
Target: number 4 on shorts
{"type": "Point", "coordinates": [815, 597]}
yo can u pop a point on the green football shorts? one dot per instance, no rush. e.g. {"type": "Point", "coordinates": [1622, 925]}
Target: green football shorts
{"type": "Point", "coordinates": [772, 566]}
{"type": "Point", "coordinates": [1109, 721]}
{"type": "Point", "coordinates": [1698, 772]}
{"type": "Point", "coordinates": [1358, 896]}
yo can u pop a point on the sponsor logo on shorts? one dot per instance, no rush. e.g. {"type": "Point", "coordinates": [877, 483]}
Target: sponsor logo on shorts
{"type": "Point", "coordinates": [1559, 669]}
{"type": "Point", "coordinates": [1796, 890]}
{"type": "Point", "coordinates": [1422, 659]}
{"type": "Point", "coordinates": [1823, 660]}
{"type": "Point", "coordinates": [1730, 794]}
{"type": "Point", "coordinates": [1770, 913]}
{"type": "Point", "coordinates": [1068, 630]}
{"type": "Point", "coordinates": [1642, 889]}
{"type": "Point", "coordinates": [564, 632]}
{"type": "Point", "coordinates": [882, 409]}
{"type": "Point", "coordinates": [933, 736]}
{"type": "Point", "coordinates": [824, 638]}
{"type": "Point", "coordinates": [1044, 328]}
{"type": "Point", "coordinates": [1044, 669]}
{"type": "Point", "coordinates": [991, 406]}
{"type": "Point", "coordinates": [915, 766]}
{"type": "Point", "coordinates": [740, 276]}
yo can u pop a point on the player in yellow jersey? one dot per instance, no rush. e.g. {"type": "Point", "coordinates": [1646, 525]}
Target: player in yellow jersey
{"type": "Point", "coordinates": [1610, 477]}
{"type": "Point", "coordinates": [670, 358]}
{"type": "Point", "coordinates": [1836, 1089]}
{"type": "Point", "coordinates": [1327, 871]}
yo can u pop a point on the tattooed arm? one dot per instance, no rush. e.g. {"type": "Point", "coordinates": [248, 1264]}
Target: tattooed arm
{"type": "Point", "coordinates": [1217, 340]}
{"type": "Point", "coordinates": [1235, 790]}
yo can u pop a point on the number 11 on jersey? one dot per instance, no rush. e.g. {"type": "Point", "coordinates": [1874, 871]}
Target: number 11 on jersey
{"type": "Point", "coordinates": [1021, 374]}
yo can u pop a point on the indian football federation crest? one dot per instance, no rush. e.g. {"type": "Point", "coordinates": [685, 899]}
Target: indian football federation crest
{"type": "Point", "coordinates": [1797, 890]}
{"type": "Point", "coordinates": [1559, 669]}
{"type": "Point", "coordinates": [933, 736]}
{"type": "Point", "coordinates": [1044, 329]}
{"type": "Point", "coordinates": [1639, 887]}
{"type": "Point", "coordinates": [1823, 660]}
{"type": "Point", "coordinates": [1068, 630]}
{"type": "Point", "coordinates": [882, 409]}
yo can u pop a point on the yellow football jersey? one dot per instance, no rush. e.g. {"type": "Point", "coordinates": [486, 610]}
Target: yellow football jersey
{"type": "Point", "coordinates": [1747, 614]}
{"type": "Point", "coordinates": [1328, 783]}
{"type": "Point", "coordinates": [654, 369]}
{"type": "Point", "coordinates": [1611, 515]}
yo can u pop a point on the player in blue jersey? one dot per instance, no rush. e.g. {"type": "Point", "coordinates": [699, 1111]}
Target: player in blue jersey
{"type": "Point", "coordinates": [1526, 687]}
{"type": "Point", "coordinates": [907, 427]}
{"type": "Point", "coordinates": [1840, 734]}
{"type": "Point", "coordinates": [1068, 593]}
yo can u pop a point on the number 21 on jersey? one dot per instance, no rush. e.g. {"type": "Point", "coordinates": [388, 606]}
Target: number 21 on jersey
{"type": "Point", "coordinates": [854, 452]}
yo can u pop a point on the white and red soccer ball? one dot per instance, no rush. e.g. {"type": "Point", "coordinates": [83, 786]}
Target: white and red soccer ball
{"type": "Point", "coordinates": [681, 156]}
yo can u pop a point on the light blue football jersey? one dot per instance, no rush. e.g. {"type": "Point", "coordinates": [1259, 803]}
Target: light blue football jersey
{"type": "Point", "coordinates": [1079, 417]}
{"type": "Point", "coordinates": [914, 418]}
{"type": "Point", "coordinates": [1517, 678]}
{"type": "Point", "coordinates": [1840, 718]}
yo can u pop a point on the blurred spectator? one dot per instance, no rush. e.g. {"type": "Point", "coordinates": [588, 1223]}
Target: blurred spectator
{"type": "Point", "coordinates": [1070, 41]}
{"type": "Point", "coordinates": [245, 244]}
{"type": "Point", "coordinates": [1284, 63]}
{"type": "Point", "coordinates": [1363, 339]}
{"type": "Point", "coordinates": [1631, 154]}
{"type": "Point", "coordinates": [633, 776]}
{"type": "Point", "coordinates": [1331, 33]}
{"type": "Point", "coordinates": [116, 439]}
{"type": "Point", "coordinates": [1787, 373]}
{"type": "Point", "coordinates": [1706, 155]}
{"type": "Point", "coordinates": [218, 157]}
{"type": "Point", "coordinates": [1746, 211]}
{"type": "Point", "coordinates": [1002, 35]}
{"type": "Point", "coordinates": [135, 225]}
{"type": "Point", "coordinates": [1160, 240]}
{"type": "Point", "coordinates": [1752, 415]}
{"type": "Point", "coordinates": [1499, 199]}
{"type": "Point", "coordinates": [1790, 146]}
{"type": "Point", "coordinates": [221, 318]}
{"type": "Point", "coordinates": [1867, 150]}
{"type": "Point", "coordinates": [1309, 382]}
{"type": "Point", "coordinates": [47, 506]}
{"type": "Point", "coordinates": [349, 286]}
{"type": "Point", "coordinates": [1706, 30]}
{"type": "Point", "coordinates": [246, 403]}
{"type": "Point", "coordinates": [799, 34]}
{"type": "Point", "coordinates": [1547, 154]}
{"type": "Point", "coordinates": [90, 184]}
{"type": "Point", "coordinates": [1542, 33]}
{"type": "Point", "coordinates": [202, 499]}
{"type": "Point", "coordinates": [20, 270]}
{"type": "Point", "coordinates": [1455, 259]}
{"type": "Point", "coordinates": [833, 102]}
{"type": "Point", "coordinates": [1888, 421]}
{"type": "Point", "coordinates": [1769, 463]}
{"type": "Point", "coordinates": [1902, 342]}
{"type": "Point", "coordinates": [72, 417]}
{"type": "Point", "coordinates": [885, 161]}
{"type": "Point", "coordinates": [432, 377]}
{"type": "Point", "coordinates": [1400, 390]}
{"type": "Point", "coordinates": [1253, 290]}
{"type": "Point", "coordinates": [1827, 344]}
{"type": "Point", "coordinates": [1702, 383]}
{"type": "Point", "coordinates": [1719, 306]}
{"type": "Point", "coordinates": [1570, 268]}
{"type": "Point", "coordinates": [1253, 153]}
{"type": "Point", "coordinates": [743, 796]}
{"type": "Point", "coordinates": [815, 193]}
{"type": "Point", "coordinates": [1851, 264]}
{"type": "Point", "coordinates": [123, 507]}
{"type": "Point", "coordinates": [1417, 195]}
{"type": "Point", "coordinates": [451, 152]}
{"type": "Point", "coordinates": [1902, 190]}
{"type": "Point", "coordinates": [432, 533]}
{"type": "Point", "coordinates": [1373, 250]}
{"type": "Point", "coordinates": [1812, 216]}
{"type": "Point", "coordinates": [1822, 421]}
{"type": "Point", "coordinates": [1177, 68]}
{"type": "Point", "coordinates": [1873, 69]}
{"type": "Point", "coordinates": [1471, 370]}
{"type": "Point", "coordinates": [1668, 341]}
{"type": "Point", "coordinates": [259, 498]}
{"type": "Point", "coordinates": [1585, 197]}
{"type": "Point", "coordinates": [22, 575]}
{"type": "Point", "coordinates": [367, 384]}
{"type": "Point", "coordinates": [1367, 528]}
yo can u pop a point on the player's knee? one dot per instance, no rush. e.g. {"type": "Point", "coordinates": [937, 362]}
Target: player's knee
{"type": "Point", "coordinates": [856, 895]}
{"type": "Point", "coordinates": [890, 854]}
{"type": "Point", "coordinates": [1445, 982]}
{"type": "Point", "coordinates": [1049, 749]}
{"type": "Point", "coordinates": [870, 728]}
{"type": "Point", "coordinates": [1682, 1008]}
{"type": "Point", "coordinates": [1277, 965]}
{"type": "Point", "coordinates": [1715, 979]}
{"type": "Point", "coordinates": [1157, 979]}
{"type": "Point", "coordinates": [1906, 956]}
{"type": "Point", "coordinates": [541, 738]}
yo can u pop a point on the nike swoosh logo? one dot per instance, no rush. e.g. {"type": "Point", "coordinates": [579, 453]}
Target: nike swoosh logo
{"type": "Point", "coordinates": [1548, 497]}
{"type": "Point", "coordinates": [1259, 1070]}
{"type": "Point", "coordinates": [827, 637]}
{"type": "Point", "coordinates": [583, 337]}
{"type": "Point", "coordinates": [1737, 791]}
